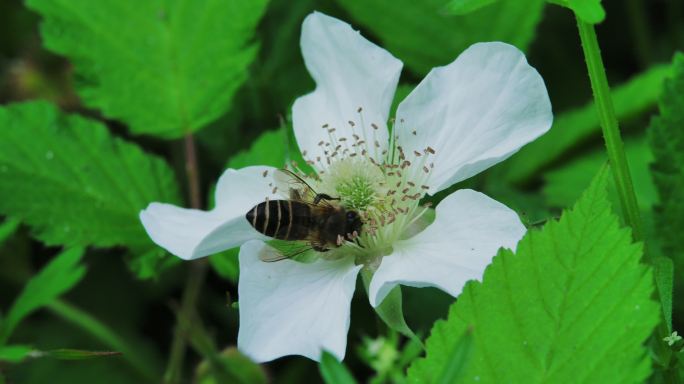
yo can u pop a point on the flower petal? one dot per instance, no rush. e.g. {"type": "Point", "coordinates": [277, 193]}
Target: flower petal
{"type": "Point", "coordinates": [292, 308]}
{"type": "Point", "coordinates": [474, 112]}
{"type": "Point", "coordinates": [192, 233]}
{"type": "Point", "coordinates": [350, 73]}
{"type": "Point", "coordinates": [467, 232]}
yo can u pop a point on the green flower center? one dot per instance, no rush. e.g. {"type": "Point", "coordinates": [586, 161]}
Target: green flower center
{"type": "Point", "coordinates": [358, 184]}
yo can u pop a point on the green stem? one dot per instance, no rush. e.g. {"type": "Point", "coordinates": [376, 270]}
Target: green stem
{"type": "Point", "coordinates": [198, 270]}
{"type": "Point", "coordinates": [193, 286]}
{"type": "Point", "coordinates": [106, 335]}
{"type": "Point", "coordinates": [618, 161]}
{"type": "Point", "coordinates": [609, 125]}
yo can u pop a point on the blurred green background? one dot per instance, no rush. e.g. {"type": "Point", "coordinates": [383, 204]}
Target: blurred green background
{"type": "Point", "coordinates": [129, 295]}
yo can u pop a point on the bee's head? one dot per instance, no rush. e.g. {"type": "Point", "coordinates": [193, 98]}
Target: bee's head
{"type": "Point", "coordinates": [353, 225]}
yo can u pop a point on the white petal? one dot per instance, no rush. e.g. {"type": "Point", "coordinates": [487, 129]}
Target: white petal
{"type": "Point", "coordinates": [292, 308]}
{"type": "Point", "coordinates": [192, 233]}
{"type": "Point", "coordinates": [474, 112]}
{"type": "Point", "coordinates": [350, 72]}
{"type": "Point", "coordinates": [466, 234]}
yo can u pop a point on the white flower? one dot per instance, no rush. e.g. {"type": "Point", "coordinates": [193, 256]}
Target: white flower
{"type": "Point", "coordinates": [461, 119]}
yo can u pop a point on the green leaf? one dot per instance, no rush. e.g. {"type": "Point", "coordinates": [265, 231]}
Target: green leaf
{"type": "Point", "coordinates": [58, 277]}
{"type": "Point", "coordinates": [76, 354]}
{"type": "Point", "coordinates": [573, 304]}
{"type": "Point", "coordinates": [453, 370]}
{"type": "Point", "coordinates": [7, 229]}
{"type": "Point", "coordinates": [462, 7]}
{"type": "Point", "coordinates": [664, 277]}
{"type": "Point", "coordinates": [236, 367]}
{"type": "Point", "coordinates": [165, 67]}
{"type": "Point", "coordinates": [666, 134]}
{"type": "Point", "coordinates": [570, 128]}
{"type": "Point", "coordinates": [423, 35]}
{"type": "Point", "coordinates": [333, 371]}
{"type": "Point", "coordinates": [147, 261]}
{"type": "Point", "coordinates": [72, 182]}
{"type": "Point", "coordinates": [14, 353]}
{"type": "Point", "coordinates": [19, 353]}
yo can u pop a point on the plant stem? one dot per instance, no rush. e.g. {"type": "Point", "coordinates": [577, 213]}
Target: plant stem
{"type": "Point", "coordinates": [191, 292]}
{"type": "Point", "coordinates": [196, 275]}
{"type": "Point", "coordinates": [192, 172]}
{"type": "Point", "coordinates": [609, 125]}
{"type": "Point", "coordinates": [619, 166]}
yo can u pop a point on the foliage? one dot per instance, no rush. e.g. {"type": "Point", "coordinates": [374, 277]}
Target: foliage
{"type": "Point", "coordinates": [667, 142]}
{"type": "Point", "coordinates": [462, 7]}
{"type": "Point", "coordinates": [333, 371]}
{"type": "Point", "coordinates": [165, 73]}
{"type": "Point", "coordinates": [401, 27]}
{"type": "Point", "coordinates": [14, 353]}
{"type": "Point", "coordinates": [121, 79]}
{"type": "Point", "coordinates": [72, 181]}
{"type": "Point", "coordinates": [666, 134]}
{"type": "Point", "coordinates": [59, 276]}
{"type": "Point", "coordinates": [573, 303]}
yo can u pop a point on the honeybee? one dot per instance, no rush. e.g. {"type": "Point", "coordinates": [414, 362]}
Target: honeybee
{"type": "Point", "coordinates": [307, 216]}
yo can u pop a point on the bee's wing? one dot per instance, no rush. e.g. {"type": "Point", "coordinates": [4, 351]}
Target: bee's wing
{"type": "Point", "coordinates": [299, 189]}
{"type": "Point", "coordinates": [283, 250]}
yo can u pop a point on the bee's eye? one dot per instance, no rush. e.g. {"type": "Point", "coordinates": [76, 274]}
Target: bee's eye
{"type": "Point", "coordinates": [351, 216]}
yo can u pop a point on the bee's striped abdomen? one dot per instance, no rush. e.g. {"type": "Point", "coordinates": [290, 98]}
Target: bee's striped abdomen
{"type": "Point", "coordinates": [280, 219]}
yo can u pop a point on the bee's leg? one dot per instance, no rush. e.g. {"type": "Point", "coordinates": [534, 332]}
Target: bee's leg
{"type": "Point", "coordinates": [358, 242]}
{"type": "Point", "coordinates": [322, 196]}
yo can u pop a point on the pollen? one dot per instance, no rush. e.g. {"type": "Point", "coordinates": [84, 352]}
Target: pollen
{"type": "Point", "coordinates": [384, 183]}
{"type": "Point", "coordinates": [357, 182]}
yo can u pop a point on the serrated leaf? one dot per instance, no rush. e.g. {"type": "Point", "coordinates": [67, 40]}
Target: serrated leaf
{"type": "Point", "coordinates": [58, 277]}
{"type": "Point", "coordinates": [164, 67]}
{"type": "Point", "coordinates": [666, 134]}
{"type": "Point", "coordinates": [569, 128]}
{"type": "Point", "coordinates": [423, 35]}
{"type": "Point", "coordinates": [14, 353]}
{"type": "Point", "coordinates": [72, 182]}
{"type": "Point", "coordinates": [571, 305]}
{"type": "Point", "coordinates": [333, 371]}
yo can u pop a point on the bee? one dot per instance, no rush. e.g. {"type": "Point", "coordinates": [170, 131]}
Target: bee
{"type": "Point", "coordinates": [315, 218]}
